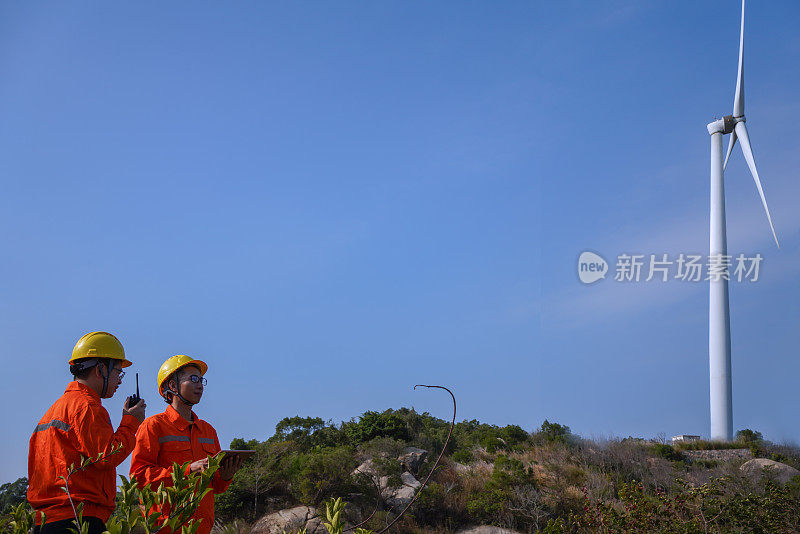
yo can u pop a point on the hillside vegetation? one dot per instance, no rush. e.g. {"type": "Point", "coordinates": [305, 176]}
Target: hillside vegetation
{"type": "Point", "coordinates": [547, 480]}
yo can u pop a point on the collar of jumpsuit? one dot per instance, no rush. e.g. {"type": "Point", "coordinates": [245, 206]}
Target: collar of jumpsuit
{"type": "Point", "coordinates": [177, 419]}
{"type": "Point", "coordinates": [82, 388]}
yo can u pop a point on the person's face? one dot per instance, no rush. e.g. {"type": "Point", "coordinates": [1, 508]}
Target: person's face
{"type": "Point", "coordinates": [114, 377]}
{"type": "Point", "coordinates": [191, 391]}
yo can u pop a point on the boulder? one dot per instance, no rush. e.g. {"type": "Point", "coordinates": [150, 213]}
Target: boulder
{"type": "Point", "coordinates": [367, 467]}
{"type": "Point", "coordinates": [486, 529]}
{"type": "Point", "coordinates": [409, 480]}
{"type": "Point", "coordinates": [290, 520]}
{"type": "Point", "coordinates": [398, 498]}
{"type": "Point", "coordinates": [412, 458]}
{"type": "Point", "coordinates": [756, 468]}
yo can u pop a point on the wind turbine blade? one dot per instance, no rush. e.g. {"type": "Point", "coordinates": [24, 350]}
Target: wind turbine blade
{"type": "Point", "coordinates": [738, 99]}
{"type": "Point", "coordinates": [731, 144]}
{"type": "Point", "coordinates": [741, 130]}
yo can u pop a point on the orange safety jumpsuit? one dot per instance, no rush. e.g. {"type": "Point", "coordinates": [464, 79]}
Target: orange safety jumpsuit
{"type": "Point", "coordinates": [167, 437]}
{"type": "Point", "coordinates": [77, 425]}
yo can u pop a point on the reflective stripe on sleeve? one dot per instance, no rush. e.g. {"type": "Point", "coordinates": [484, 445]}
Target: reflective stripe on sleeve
{"type": "Point", "coordinates": [61, 425]}
{"type": "Point", "coordinates": [165, 439]}
{"type": "Point", "coordinates": [210, 441]}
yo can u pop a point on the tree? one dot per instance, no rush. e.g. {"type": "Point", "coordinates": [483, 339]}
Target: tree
{"type": "Point", "coordinates": [748, 436]}
{"type": "Point", "coordinates": [297, 428]}
{"type": "Point", "coordinates": [254, 477]}
{"type": "Point", "coordinates": [13, 493]}
{"type": "Point", "coordinates": [239, 444]}
{"type": "Point", "coordinates": [554, 432]}
{"type": "Point", "coordinates": [376, 425]}
{"type": "Point", "coordinates": [513, 435]}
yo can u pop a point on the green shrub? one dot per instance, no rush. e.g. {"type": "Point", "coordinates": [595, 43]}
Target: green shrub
{"type": "Point", "coordinates": [373, 425]}
{"type": "Point", "coordinates": [389, 467]}
{"type": "Point", "coordinates": [554, 432]}
{"type": "Point", "coordinates": [488, 505]}
{"type": "Point", "coordinates": [239, 444]}
{"type": "Point", "coordinates": [431, 507]}
{"type": "Point", "coordinates": [307, 432]}
{"type": "Point", "coordinates": [321, 474]}
{"type": "Point", "coordinates": [383, 448]}
{"type": "Point", "coordinates": [748, 436]}
{"type": "Point", "coordinates": [463, 456]}
{"type": "Point", "coordinates": [12, 494]}
{"type": "Point", "coordinates": [667, 452]}
{"type": "Point", "coordinates": [514, 435]}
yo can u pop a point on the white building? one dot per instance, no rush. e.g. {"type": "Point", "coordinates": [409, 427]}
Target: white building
{"type": "Point", "coordinates": [684, 438]}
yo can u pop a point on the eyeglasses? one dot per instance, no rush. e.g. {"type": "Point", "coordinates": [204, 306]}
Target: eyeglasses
{"type": "Point", "coordinates": [195, 379]}
{"type": "Point", "coordinates": [119, 370]}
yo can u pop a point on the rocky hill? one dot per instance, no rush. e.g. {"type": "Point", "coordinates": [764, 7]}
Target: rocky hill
{"type": "Point", "coordinates": [546, 480]}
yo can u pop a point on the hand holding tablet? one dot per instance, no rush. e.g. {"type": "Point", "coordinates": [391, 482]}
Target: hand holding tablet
{"type": "Point", "coordinates": [244, 455]}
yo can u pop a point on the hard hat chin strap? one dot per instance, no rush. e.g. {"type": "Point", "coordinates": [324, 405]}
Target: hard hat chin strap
{"type": "Point", "coordinates": [105, 380]}
{"type": "Point", "coordinates": [178, 390]}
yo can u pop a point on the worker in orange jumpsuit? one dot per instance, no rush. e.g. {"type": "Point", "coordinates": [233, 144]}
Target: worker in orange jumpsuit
{"type": "Point", "coordinates": [178, 435]}
{"type": "Point", "coordinates": [78, 425]}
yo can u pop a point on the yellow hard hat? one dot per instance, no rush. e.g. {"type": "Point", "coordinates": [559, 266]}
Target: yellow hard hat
{"type": "Point", "coordinates": [174, 363]}
{"type": "Point", "coordinates": [99, 345]}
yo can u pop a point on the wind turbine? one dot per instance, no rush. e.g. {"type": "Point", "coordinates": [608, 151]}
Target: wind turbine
{"type": "Point", "coordinates": [719, 323]}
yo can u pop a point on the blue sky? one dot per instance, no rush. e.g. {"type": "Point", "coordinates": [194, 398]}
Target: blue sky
{"type": "Point", "coordinates": [332, 202]}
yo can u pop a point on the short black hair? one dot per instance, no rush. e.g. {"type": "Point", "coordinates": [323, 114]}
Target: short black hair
{"type": "Point", "coordinates": [78, 371]}
{"type": "Point", "coordinates": [167, 394]}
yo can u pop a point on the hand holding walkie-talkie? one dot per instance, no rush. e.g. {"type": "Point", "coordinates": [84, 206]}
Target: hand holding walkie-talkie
{"type": "Point", "coordinates": [134, 405]}
{"type": "Point", "coordinates": [134, 399]}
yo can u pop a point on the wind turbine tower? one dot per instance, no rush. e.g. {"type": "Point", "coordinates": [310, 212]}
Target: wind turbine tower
{"type": "Point", "coordinates": [719, 323]}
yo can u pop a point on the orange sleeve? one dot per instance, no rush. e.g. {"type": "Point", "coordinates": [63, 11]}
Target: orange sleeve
{"type": "Point", "coordinates": [144, 461]}
{"type": "Point", "coordinates": [96, 435]}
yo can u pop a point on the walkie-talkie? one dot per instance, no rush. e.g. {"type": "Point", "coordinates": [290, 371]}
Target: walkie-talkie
{"type": "Point", "coordinates": [133, 400]}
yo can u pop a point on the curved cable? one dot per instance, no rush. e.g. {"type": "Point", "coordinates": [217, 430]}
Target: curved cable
{"type": "Point", "coordinates": [377, 504]}
{"type": "Point", "coordinates": [444, 448]}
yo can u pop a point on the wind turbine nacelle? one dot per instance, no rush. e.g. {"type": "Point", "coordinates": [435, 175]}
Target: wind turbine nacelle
{"type": "Point", "coordinates": [729, 124]}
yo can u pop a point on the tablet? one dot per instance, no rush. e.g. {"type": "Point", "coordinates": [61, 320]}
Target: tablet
{"type": "Point", "coordinates": [243, 454]}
